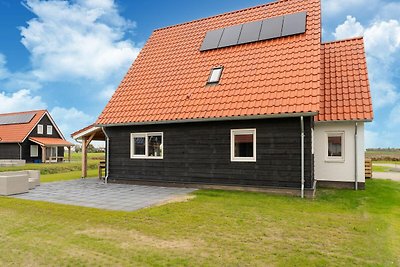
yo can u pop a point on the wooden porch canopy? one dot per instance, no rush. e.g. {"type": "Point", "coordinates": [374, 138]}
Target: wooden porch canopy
{"type": "Point", "coordinates": [45, 142]}
{"type": "Point", "coordinates": [87, 135]}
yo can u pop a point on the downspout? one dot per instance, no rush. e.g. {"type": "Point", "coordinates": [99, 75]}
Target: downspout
{"type": "Point", "coordinates": [20, 151]}
{"type": "Point", "coordinates": [302, 156]}
{"type": "Point", "coordinates": [355, 157]}
{"type": "Point", "coordinates": [107, 154]}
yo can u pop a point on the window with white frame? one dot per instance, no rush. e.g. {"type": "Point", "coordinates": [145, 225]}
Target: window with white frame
{"type": "Point", "coordinates": [147, 145]}
{"type": "Point", "coordinates": [215, 75]}
{"type": "Point", "coordinates": [34, 151]}
{"type": "Point", "coordinates": [40, 129]}
{"type": "Point", "coordinates": [335, 146]}
{"type": "Point", "coordinates": [49, 129]}
{"type": "Point", "coordinates": [243, 145]}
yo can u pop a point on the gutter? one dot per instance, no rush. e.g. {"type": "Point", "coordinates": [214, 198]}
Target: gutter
{"type": "Point", "coordinates": [302, 156]}
{"type": "Point", "coordinates": [255, 117]}
{"type": "Point", "coordinates": [20, 151]}
{"type": "Point", "coordinates": [107, 154]}
{"type": "Point", "coordinates": [355, 157]}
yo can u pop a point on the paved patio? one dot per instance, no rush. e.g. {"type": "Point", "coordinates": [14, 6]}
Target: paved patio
{"type": "Point", "coordinates": [95, 194]}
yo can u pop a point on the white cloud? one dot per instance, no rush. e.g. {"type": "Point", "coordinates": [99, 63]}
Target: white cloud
{"type": "Point", "coordinates": [83, 39]}
{"type": "Point", "coordinates": [70, 120]}
{"type": "Point", "coordinates": [20, 101]}
{"type": "Point", "coordinates": [3, 69]}
{"type": "Point", "coordinates": [350, 28]}
{"type": "Point", "coordinates": [394, 117]}
{"type": "Point", "coordinates": [107, 93]}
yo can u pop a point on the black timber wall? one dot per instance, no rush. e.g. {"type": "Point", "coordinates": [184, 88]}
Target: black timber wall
{"type": "Point", "coordinates": [199, 153]}
{"type": "Point", "coordinates": [9, 151]}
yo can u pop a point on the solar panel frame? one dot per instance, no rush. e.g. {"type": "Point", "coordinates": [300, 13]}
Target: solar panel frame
{"type": "Point", "coordinates": [271, 28]}
{"type": "Point", "coordinates": [230, 36]}
{"type": "Point", "coordinates": [250, 32]}
{"type": "Point", "coordinates": [211, 40]}
{"type": "Point", "coordinates": [294, 24]}
{"type": "Point", "coordinates": [16, 118]}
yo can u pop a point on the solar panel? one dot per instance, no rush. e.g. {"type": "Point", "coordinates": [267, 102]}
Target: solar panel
{"type": "Point", "coordinates": [250, 32]}
{"type": "Point", "coordinates": [230, 36]}
{"type": "Point", "coordinates": [212, 39]}
{"type": "Point", "coordinates": [16, 118]}
{"type": "Point", "coordinates": [271, 28]}
{"type": "Point", "coordinates": [294, 24]}
{"type": "Point", "coordinates": [255, 31]}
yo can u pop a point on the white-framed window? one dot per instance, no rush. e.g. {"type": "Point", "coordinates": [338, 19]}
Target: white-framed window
{"type": "Point", "coordinates": [335, 146]}
{"type": "Point", "coordinates": [147, 145]}
{"type": "Point", "coordinates": [49, 130]}
{"type": "Point", "coordinates": [243, 145]}
{"type": "Point", "coordinates": [40, 129]}
{"type": "Point", "coordinates": [34, 151]}
{"type": "Point", "coordinates": [215, 75]}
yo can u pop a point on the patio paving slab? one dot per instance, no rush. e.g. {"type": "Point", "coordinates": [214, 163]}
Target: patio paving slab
{"type": "Point", "coordinates": [95, 194]}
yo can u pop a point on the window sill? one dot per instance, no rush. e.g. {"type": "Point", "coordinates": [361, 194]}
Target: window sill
{"type": "Point", "coordinates": [145, 157]}
{"type": "Point", "coordinates": [243, 160]}
{"type": "Point", "coordinates": [333, 160]}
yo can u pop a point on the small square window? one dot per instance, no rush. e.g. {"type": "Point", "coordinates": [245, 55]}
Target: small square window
{"type": "Point", "coordinates": [40, 129]}
{"type": "Point", "coordinates": [49, 129]}
{"type": "Point", "coordinates": [215, 75]}
{"type": "Point", "coordinates": [243, 145]}
{"type": "Point", "coordinates": [335, 146]}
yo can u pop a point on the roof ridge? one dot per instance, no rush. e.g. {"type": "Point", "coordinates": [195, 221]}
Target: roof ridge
{"type": "Point", "coordinates": [20, 112]}
{"type": "Point", "coordinates": [343, 40]}
{"type": "Point", "coordinates": [223, 14]}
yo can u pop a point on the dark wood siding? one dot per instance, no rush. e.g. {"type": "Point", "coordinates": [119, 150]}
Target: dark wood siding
{"type": "Point", "coordinates": [45, 121]}
{"type": "Point", "coordinates": [200, 153]}
{"type": "Point", "coordinates": [9, 151]}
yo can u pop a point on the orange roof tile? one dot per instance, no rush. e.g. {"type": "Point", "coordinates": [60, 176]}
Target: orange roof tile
{"type": "Point", "coordinates": [167, 81]}
{"type": "Point", "coordinates": [16, 133]}
{"type": "Point", "coordinates": [345, 93]}
{"type": "Point", "coordinates": [48, 141]}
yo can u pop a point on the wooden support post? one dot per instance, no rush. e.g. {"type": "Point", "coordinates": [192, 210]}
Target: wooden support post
{"type": "Point", "coordinates": [69, 154]}
{"type": "Point", "coordinates": [43, 154]}
{"type": "Point", "coordinates": [84, 157]}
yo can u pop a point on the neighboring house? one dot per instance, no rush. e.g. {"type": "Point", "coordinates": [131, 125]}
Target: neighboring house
{"type": "Point", "coordinates": [32, 136]}
{"type": "Point", "coordinates": [249, 98]}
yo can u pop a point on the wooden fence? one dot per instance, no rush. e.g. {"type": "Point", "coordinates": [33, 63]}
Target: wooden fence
{"type": "Point", "coordinates": [368, 168]}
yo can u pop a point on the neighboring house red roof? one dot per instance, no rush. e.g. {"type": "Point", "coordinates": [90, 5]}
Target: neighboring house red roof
{"type": "Point", "coordinates": [167, 81]}
{"type": "Point", "coordinates": [47, 141]}
{"type": "Point", "coordinates": [282, 76]}
{"type": "Point", "coordinates": [16, 133]}
{"type": "Point", "coordinates": [345, 93]}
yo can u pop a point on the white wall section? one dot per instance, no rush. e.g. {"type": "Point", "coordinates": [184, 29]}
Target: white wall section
{"type": "Point", "coordinates": [339, 171]}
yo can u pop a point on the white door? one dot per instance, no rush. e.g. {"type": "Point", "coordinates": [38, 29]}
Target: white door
{"type": "Point", "coordinates": [51, 153]}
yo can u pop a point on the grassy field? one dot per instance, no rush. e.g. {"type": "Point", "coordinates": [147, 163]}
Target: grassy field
{"type": "Point", "coordinates": [216, 228]}
{"type": "Point", "coordinates": [62, 171]}
{"type": "Point", "coordinates": [381, 168]}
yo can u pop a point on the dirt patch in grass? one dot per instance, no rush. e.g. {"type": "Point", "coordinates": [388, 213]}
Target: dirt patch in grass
{"type": "Point", "coordinates": [177, 199]}
{"type": "Point", "coordinates": [132, 238]}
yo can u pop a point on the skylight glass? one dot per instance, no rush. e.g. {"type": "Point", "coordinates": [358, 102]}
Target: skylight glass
{"type": "Point", "coordinates": [215, 75]}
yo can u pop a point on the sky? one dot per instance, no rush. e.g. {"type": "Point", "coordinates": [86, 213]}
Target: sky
{"type": "Point", "coordinates": [69, 56]}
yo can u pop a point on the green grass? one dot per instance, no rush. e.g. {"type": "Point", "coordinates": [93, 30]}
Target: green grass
{"type": "Point", "coordinates": [91, 156]}
{"type": "Point", "coordinates": [216, 228]}
{"type": "Point", "coordinates": [46, 178]}
{"type": "Point", "coordinates": [52, 168]}
{"type": "Point", "coordinates": [381, 169]}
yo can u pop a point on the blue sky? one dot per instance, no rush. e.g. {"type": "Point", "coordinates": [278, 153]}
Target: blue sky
{"type": "Point", "coordinates": [69, 56]}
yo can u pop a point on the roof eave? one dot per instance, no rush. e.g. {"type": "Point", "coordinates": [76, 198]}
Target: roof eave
{"type": "Point", "coordinates": [255, 117]}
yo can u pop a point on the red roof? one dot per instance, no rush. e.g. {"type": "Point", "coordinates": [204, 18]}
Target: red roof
{"type": "Point", "coordinates": [16, 133]}
{"type": "Point", "coordinates": [48, 141]}
{"type": "Point", "coordinates": [167, 82]}
{"type": "Point", "coordinates": [282, 76]}
{"type": "Point", "coordinates": [345, 93]}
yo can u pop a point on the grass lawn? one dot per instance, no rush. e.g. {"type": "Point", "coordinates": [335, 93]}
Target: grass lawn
{"type": "Point", "coordinates": [381, 169]}
{"type": "Point", "coordinates": [216, 228]}
{"type": "Point", "coordinates": [65, 176]}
